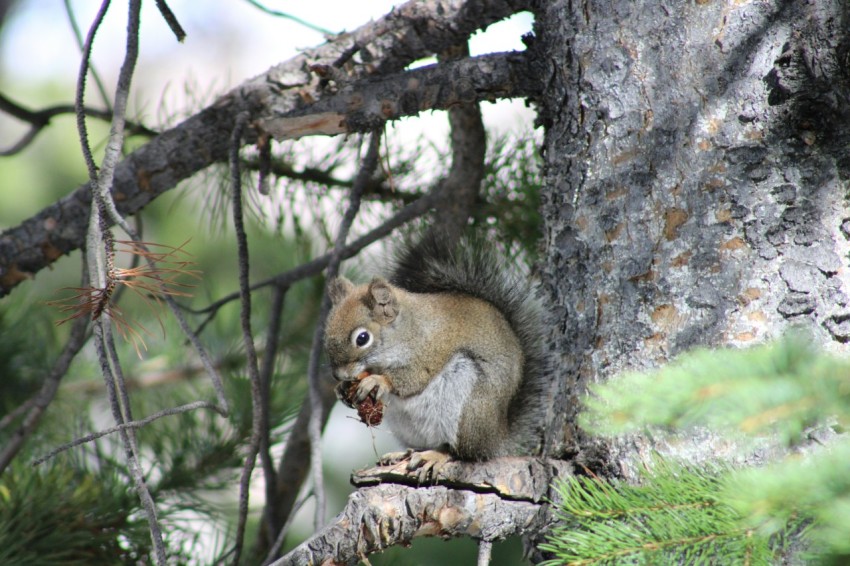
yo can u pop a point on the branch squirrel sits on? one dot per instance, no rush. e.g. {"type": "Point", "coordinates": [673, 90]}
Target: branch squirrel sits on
{"type": "Point", "coordinates": [451, 346]}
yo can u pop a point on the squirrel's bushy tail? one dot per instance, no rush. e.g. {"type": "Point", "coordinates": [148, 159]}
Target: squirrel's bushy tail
{"type": "Point", "coordinates": [474, 267]}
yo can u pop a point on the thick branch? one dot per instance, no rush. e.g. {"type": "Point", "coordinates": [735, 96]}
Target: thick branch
{"type": "Point", "coordinates": [410, 32]}
{"type": "Point", "coordinates": [364, 105]}
{"type": "Point", "coordinates": [487, 501]}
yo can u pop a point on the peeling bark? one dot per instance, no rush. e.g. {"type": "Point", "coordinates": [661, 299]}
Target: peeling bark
{"type": "Point", "coordinates": [486, 501]}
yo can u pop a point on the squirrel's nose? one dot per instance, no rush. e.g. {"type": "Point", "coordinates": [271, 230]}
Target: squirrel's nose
{"type": "Point", "coordinates": [340, 374]}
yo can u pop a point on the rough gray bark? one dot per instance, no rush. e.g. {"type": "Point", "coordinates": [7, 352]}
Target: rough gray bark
{"type": "Point", "coordinates": [695, 182]}
{"type": "Point", "coordinates": [487, 501]}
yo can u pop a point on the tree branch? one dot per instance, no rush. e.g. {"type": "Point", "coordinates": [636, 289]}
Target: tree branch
{"type": "Point", "coordinates": [135, 424]}
{"type": "Point", "coordinates": [412, 31]}
{"type": "Point", "coordinates": [488, 501]}
{"type": "Point", "coordinates": [469, 147]}
{"type": "Point", "coordinates": [256, 445]}
{"type": "Point", "coordinates": [364, 105]}
{"type": "Point", "coordinates": [316, 265]}
{"type": "Point", "coordinates": [40, 119]}
{"type": "Point", "coordinates": [377, 188]}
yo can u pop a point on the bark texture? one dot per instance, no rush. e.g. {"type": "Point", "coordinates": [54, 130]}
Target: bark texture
{"type": "Point", "coordinates": [695, 182]}
{"type": "Point", "coordinates": [487, 501]}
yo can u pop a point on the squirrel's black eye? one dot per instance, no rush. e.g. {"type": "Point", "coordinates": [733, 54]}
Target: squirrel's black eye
{"type": "Point", "coordinates": [361, 338]}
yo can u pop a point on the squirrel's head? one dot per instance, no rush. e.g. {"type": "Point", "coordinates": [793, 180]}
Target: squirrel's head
{"type": "Point", "coordinates": [355, 324]}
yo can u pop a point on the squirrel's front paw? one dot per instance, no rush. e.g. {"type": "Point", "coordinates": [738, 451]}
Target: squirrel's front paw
{"type": "Point", "coordinates": [377, 383]}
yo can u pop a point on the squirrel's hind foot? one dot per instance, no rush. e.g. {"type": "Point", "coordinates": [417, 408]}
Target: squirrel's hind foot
{"type": "Point", "coordinates": [426, 465]}
{"type": "Point", "coordinates": [393, 458]}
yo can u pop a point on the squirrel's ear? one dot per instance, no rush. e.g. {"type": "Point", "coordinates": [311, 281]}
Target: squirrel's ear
{"type": "Point", "coordinates": [339, 288]}
{"type": "Point", "coordinates": [382, 301]}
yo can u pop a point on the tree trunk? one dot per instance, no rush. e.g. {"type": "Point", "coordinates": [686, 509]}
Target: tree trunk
{"type": "Point", "coordinates": [695, 178]}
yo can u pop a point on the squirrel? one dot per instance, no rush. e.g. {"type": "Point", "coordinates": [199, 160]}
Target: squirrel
{"type": "Point", "coordinates": [451, 345]}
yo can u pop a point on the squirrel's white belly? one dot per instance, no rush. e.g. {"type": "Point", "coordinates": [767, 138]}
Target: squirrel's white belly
{"type": "Point", "coordinates": [430, 419]}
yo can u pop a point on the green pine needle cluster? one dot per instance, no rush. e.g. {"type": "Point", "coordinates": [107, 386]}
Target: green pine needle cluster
{"type": "Point", "coordinates": [59, 514]}
{"type": "Point", "coordinates": [510, 210]}
{"type": "Point", "coordinates": [784, 388]}
{"type": "Point", "coordinates": [717, 514]}
{"type": "Point", "coordinates": [815, 488]}
{"type": "Point", "coordinates": [676, 516]}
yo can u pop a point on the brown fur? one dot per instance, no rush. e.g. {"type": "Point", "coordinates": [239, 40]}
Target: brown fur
{"type": "Point", "coordinates": [414, 336]}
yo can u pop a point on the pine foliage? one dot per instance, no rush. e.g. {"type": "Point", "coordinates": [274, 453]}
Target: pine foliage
{"type": "Point", "coordinates": [784, 387]}
{"type": "Point", "coordinates": [62, 514]}
{"type": "Point", "coordinates": [80, 507]}
{"type": "Point", "coordinates": [676, 516]}
{"type": "Point", "coordinates": [712, 514]}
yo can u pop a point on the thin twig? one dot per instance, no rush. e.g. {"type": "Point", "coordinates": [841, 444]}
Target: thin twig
{"type": "Point", "coordinates": [281, 536]}
{"type": "Point", "coordinates": [40, 119]}
{"type": "Point", "coordinates": [95, 75]}
{"type": "Point", "coordinates": [209, 366]}
{"type": "Point", "coordinates": [13, 415]}
{"type": "Point", "coordinates": [168, 298]}
{"type": "Point", "coordinates": [126, 426]}
{"type": "Point", "coordinates": [367, 169]}
{"type": "Point", "coordinates": [118, 376]}
{"type": "Point", "coordinates": [247, 335]}
{"type": "Point", "coordinates": [103, 198]}
{"type": "Point", "coordinates": [102, 335]}
{"type": "Point", "coordinates": [314, 267]}
{"type": "Point", "coordinates": [171, 20]}
{"type": "Point", "coordinates": [81, 90]}
{"type": "Point", "coordinates": [295, 19]}
{"type": "Point", "coordinates": [266, 371]}
{"type": "Point", "coordinates": [379, 187]}
{"type": "Point", "coordinates": [99, 250]}
{"type": "Point", "coordinates": [294, 464]}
